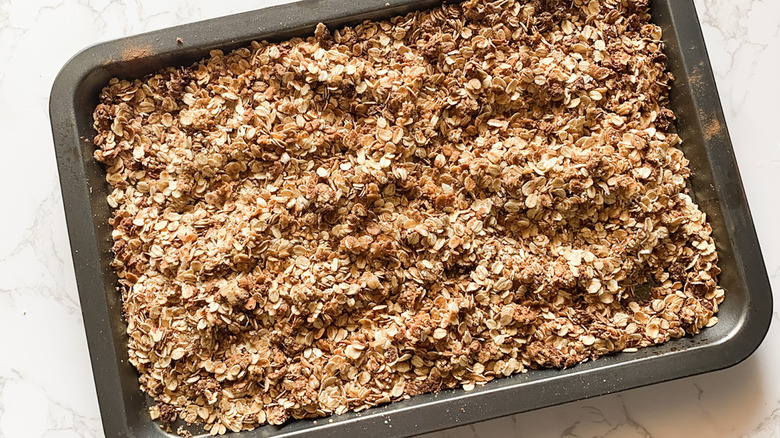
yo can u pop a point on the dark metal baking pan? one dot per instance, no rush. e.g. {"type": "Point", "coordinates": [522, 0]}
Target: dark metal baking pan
{"type": "Point", "coordinates": [716, 186]}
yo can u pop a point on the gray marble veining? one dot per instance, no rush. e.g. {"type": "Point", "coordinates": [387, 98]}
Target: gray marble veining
{"type": "Point", "coordinates": [46, 387]}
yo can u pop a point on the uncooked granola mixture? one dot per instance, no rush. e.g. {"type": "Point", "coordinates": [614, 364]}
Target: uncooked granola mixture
{"type": "Point", "coordinates": [451, 196]}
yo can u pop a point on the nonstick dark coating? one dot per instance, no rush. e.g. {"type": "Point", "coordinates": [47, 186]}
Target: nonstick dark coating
{"type": "Point", "coordinates": [716, 186]}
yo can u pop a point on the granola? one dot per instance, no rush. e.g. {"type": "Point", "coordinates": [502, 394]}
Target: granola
{"type": "Point", "coordinates": [436, 200]}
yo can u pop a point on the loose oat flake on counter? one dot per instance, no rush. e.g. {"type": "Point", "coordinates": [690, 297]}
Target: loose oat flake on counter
{"type": "Point", "coordinates": [451, 196]}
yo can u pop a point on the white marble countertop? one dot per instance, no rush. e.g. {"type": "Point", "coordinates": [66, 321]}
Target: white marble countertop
{"type": "Point", "coordinates": [46, 387]}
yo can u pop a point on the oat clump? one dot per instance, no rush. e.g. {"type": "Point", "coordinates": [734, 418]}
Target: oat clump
{"type": "Point", "coordinates": [450, 196]}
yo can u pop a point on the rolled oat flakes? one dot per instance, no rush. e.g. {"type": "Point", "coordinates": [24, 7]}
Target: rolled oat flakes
{"type": "Point", "coordinates": [437, 200]}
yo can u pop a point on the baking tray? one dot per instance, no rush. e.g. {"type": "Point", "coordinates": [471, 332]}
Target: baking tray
{"type": "Point", "coordinates": [716, 186]}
